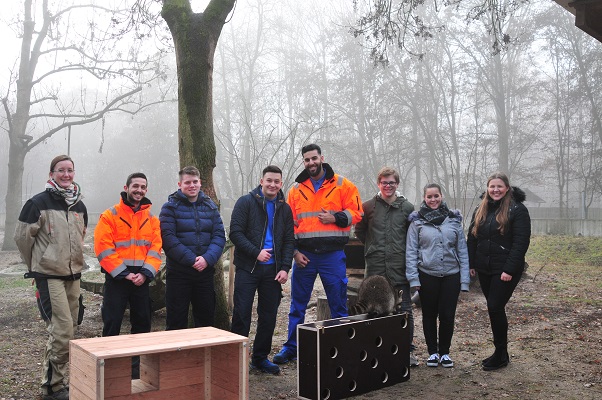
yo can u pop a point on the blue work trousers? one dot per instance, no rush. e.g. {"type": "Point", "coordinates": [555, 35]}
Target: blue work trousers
{"type": "Point", "coordinates": [332, 270]}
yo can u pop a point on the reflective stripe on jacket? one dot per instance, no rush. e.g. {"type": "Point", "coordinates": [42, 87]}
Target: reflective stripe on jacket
{"type": "Point", "coordinates": [126, 238]}
{"type": "Point", "coordinates": [337, 195]}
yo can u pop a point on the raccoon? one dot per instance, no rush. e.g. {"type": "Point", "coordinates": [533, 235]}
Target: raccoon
{"type": "Point", "coordinates": [376, 297]}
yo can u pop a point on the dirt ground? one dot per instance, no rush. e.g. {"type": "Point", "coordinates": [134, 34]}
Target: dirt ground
{"type": "Point", "coordinates": [555, 349]}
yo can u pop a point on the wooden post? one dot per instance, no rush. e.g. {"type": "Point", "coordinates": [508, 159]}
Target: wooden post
{"type": "Point", "coordinates": [323, 311]}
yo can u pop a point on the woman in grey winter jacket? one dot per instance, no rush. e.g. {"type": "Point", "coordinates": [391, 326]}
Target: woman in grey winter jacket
{"type": "Point", "coordinates": [437, 266]}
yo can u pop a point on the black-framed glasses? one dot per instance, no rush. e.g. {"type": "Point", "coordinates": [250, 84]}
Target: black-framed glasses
{"type": "Point", "coordinates": [388, 183]}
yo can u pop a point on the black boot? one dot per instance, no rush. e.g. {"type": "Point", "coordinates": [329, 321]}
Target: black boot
{"type": "Point", "coordinates": [498, 360]}
{"type": "Point", "coordinates": [486, 360]}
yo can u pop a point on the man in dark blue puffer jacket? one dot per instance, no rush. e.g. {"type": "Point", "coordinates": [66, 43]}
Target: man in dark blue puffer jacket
{"type": "Point", "coordinates": [193, 240]}
{"type": "Point", "coordinates": [262, 231]}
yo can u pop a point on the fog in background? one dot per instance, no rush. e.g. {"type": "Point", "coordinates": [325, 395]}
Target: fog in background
{"type": "Point", "coordinates": [289, 73]}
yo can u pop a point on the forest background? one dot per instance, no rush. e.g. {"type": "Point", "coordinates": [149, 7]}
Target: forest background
{"type": "Point", "coordinates": [448, 108]}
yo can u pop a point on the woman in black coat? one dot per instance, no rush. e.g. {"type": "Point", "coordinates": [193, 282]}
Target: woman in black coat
{"type": "Point", "coordinates": [498, 239]}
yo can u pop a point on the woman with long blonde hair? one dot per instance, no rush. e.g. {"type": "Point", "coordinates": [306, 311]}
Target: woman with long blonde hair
{"type": "Point", "coordinates": [498, 239]}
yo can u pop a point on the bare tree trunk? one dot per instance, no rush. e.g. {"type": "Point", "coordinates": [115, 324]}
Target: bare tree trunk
{"type": "Point", "coordinates": [499, 101]}
{"type": "Point", "coordinates": [16, 160]}
{"type": "Point", "coordinates": [36, 100]}
{"type": "Point", "coordinates": [195, 37]}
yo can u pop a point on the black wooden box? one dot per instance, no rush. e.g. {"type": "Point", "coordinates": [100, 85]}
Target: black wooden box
{"type": "Point", "coordinates": [344, 357]}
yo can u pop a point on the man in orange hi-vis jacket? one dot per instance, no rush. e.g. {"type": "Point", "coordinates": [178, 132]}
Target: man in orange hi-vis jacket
{"type": "Point", "coordinates": [324, 205]}
{"type": "Point", "coordinates": [127, 242]}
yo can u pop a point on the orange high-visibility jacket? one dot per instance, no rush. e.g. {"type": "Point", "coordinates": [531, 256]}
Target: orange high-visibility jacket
{"type": "Point", "coordinates": [125, 238]}
{"type": "Point", "coordinates": [338, 196]}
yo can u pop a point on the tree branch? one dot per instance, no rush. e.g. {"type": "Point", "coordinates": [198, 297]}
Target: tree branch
{"type": "Point", "coordinates": [86, 120]}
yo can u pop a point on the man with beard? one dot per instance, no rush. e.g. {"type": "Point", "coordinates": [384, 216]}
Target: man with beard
{"type": "Point", "coordinates": [324, 206]}
{"type": "Point", "coordinates": [127, 242]}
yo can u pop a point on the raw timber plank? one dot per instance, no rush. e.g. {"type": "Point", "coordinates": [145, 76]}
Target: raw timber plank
{"type": "Point", "coordinates": [117, 377]}
{"type": "Point", "coordinates": [157, 342]}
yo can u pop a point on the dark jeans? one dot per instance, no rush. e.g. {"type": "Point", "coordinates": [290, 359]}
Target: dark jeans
{"type": "Point", "coordinates": [438, 299]}
{"type": "Point", "coordinates": [116, 296]}
{"type": "Point", "coordinates": [118, 293]}
{"type": "Point", "coordinates": [269, 294]}
{"type": "Point", "coordinates": [182, 290]}
{"type": "Point", "coordinates": [498, 293]}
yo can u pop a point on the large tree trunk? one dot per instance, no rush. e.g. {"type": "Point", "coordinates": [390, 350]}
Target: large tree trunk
{"type": "Point", "coordinates": [18, 148]}
{"type": "Point", "coordinates": [195, 37]}
{"type": "Point", "coordinates": [16, 160]}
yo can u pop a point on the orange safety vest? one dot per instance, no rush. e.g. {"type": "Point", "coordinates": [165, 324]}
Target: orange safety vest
{"type": "Point", "coordinates": [337, 194]}
{"type": "Point", "coordinates": [125, 238]}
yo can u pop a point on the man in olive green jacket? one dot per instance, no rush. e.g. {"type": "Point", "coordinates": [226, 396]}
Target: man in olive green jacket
{"type": "Point", "coordinates": [383, 231]}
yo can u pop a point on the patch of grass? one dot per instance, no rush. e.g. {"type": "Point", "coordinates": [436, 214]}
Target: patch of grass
{"type": "Point", "coordinates": [9, 282]}
{"type": "Point", "coordinates": [572, 266]}
{"type": "Point", "coordinates": [573, 250]}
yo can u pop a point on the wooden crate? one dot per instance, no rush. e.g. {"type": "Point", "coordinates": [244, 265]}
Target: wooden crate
{"type": "Point", "coordinates": [201, 363]}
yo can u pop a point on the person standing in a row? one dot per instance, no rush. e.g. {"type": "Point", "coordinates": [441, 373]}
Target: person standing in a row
{"type": "Point", "coordinates": [193, 240]}
{"type": "Point", "coordinates": [437, 266]}
{"type": "Point", "coordinates": [383, 231]}
{"type": "Point", "coordinates": [324, 206]}
{"type": "Point", "coordinates": [127, 242]}
{"type": "Point", "coordinates": [498, 239]}
{"type": "Point", "coordinates": [50, 237]}
{"type": "Point", "coordinates": [262, 232]}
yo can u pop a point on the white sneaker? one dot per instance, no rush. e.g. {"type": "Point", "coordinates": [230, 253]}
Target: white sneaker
{"type": "Point", "coordinates": [433, 360]}
{"type": "Point", "coordinates": [446, 362]}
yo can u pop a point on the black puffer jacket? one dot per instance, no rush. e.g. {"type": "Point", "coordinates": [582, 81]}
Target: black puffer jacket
{"type": "Point", "coordinates": [490, 252]}
{"type": "Point", "coordinates": [248, 224]}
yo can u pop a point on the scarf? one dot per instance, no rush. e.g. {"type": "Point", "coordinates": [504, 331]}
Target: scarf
{"type": "Point", "coordinates": [435, 217]}
{"type": "Point", "coordinates": [71, 194]}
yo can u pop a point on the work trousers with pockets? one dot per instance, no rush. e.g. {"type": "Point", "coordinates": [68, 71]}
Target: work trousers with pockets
{"type": "Point", "coordinates": [497, 293]}
{"type": "Point", "coordinates": [332, 270]}
{"type": "Point", "coordinates": [59, 308]}
{"type": "Point", "coordinates": [269, 293]}
{"type": "Point", "coordinates": [182, 290]}
{"type": "Point", "coordinates": [438, 300]}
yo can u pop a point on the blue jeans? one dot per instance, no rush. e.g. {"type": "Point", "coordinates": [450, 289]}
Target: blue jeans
{"type": "Point", "coordinates": [332, 269]}
{"type": "Point", "coordinates": [269, 294]}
